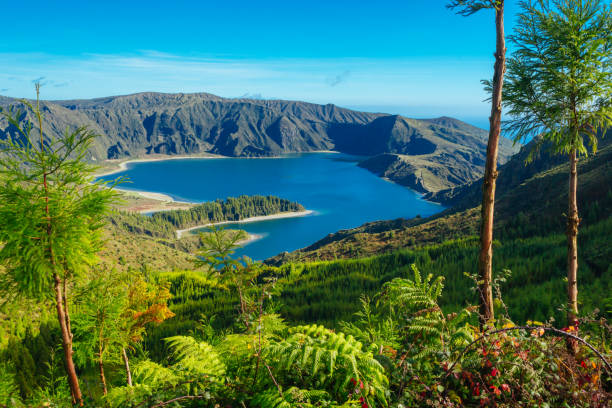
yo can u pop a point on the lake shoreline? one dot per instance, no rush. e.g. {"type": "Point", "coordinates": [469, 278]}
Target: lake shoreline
{"type": "Point", "coordinates": [277, 216]}
{"type": "Point", "coordinates": [120, 165]}
{"type": "Point", "coordinates": [149, 202]}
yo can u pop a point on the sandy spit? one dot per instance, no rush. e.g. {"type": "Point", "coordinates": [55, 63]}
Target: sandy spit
{"type": "Point", "coordinates": [289, 214]}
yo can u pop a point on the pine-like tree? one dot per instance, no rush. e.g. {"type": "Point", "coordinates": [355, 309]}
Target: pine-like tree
{"type": "Point", "coordinates": [560, 88]}
{"type": "Point", "coordinates": [52, 213]}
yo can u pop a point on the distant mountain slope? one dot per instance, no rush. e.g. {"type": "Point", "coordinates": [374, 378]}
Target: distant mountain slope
{"type": "Point", "coordinates": [443, 157]}
{"type": "Point", "coordinates": [427, 155]}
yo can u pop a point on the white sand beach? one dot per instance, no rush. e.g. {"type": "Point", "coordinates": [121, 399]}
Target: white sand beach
{"type": "Point", "coordinates": [149, 202]}
{"type": "Point", "coordinates": [289, 214]}
{"type": "Point", "coordinates": [147, 194]}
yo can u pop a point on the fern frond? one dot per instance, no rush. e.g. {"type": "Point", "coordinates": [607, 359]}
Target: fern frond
{"type": "Point", "coordinates": [196, 357]}
{"type": "Point", "coordinates": [154, 375]}
{"type": "Point", "coordinates": [320, 357]}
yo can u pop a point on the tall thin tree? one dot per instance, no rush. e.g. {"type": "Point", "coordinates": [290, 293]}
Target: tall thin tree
{"type": "Point", "coordinates": [560, 88]}
{"type": "Point", "coordinates": [52, 213]}
{"type": "Point", "coordinates": [485, 256]}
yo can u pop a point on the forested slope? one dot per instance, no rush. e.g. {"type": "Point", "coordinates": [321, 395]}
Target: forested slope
{"type": "Point", "coordinates": [327, 292]}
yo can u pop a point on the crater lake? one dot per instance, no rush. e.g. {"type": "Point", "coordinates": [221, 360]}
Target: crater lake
{"type": "Point", "coordinates": [340, 194]}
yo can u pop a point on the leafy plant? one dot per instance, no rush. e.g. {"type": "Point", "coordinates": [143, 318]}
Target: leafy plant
{"type": "Point", "coordinates": [197, 371]}
{"type": "Point", "coordinates": [296, 397]}
{"type": "Point", "coordinates": [322, 359]}
{"type": "Point", "coordinates": [9, 392]}
{"type": "Point", "coordinates": [373, 327]}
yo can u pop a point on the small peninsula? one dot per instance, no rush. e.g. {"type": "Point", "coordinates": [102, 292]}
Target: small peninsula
{"type": "Point", "coordinates": [174, 222]}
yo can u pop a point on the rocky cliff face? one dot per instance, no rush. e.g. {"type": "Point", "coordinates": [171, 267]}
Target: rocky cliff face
{"type": "Point", "coordinates": [427, 155]}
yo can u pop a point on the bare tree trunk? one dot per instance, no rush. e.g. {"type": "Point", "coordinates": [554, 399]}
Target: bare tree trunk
{"type": "Point", "coordinates": [572, 250]}
{"type": "Point", "coordinates": [102, 377]}
{"type": "Point", "coordinates": [65, 296]}
{"type": "Point", "coordinates": [73, 381]}
{"type": "Point", "coordinates": [101, 360]}
{"type": "Point", "coordinates": [127, 366]}
{"type": "Point", "coordinates": [485, 257]}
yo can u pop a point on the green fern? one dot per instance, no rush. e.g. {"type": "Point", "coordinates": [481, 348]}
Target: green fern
{"type": "Point", "coordinates": [372, 328]}
{"type": "Point", "coordinates": [295, 397]}
{"type": "Point", "coordinates": [123, 397]}
{"type": "Point", "coordinates": [428, 331]}
{"type": "Point", "coordinates": [315, 356]}
{"type": "Point", "coordinates": [196, 358]}
{"type": "Point", "coordinates": [196, 366]}
{"type": "Point", "coordinates": [149, 377]}
{"type": "Point", "coordinates": [9, 393]}
{"type": "Point", "coordinates": [154, 375]}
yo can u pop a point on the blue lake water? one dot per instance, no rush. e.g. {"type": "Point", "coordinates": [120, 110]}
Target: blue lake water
{"type": "Point", "coordinates": [341, 194]}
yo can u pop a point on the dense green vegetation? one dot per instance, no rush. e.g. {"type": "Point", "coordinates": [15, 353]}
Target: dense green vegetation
{"type": "Point", "coordinates": [326, 292]}
{"type": "Point", "coordinates": [136, 223]}
{"type": "Point", "coordinates": [163, 224]}
{"type": "Point", "coordinates": [397, 329]}
{"type": "Point", "coordinates": [232, 345]}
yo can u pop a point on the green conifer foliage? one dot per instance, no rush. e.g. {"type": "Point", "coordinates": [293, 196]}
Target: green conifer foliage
{"type": "Point", "coordinates": [52, 213]}
{"type": "Point", "coordinates": [560, 88]}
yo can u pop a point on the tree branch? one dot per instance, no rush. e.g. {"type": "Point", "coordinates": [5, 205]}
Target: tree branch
{"type": "Point", "coordinates": [184, 397]}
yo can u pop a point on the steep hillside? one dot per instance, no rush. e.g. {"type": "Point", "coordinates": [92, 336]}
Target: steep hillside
{"type": "Point", "coordinates": [428, 155]}
{"type": "Point", "coordinates": [531, 201]}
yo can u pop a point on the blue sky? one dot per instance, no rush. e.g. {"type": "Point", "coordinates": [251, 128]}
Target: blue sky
{"type": "Point", "coordinates": [413, 57]}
